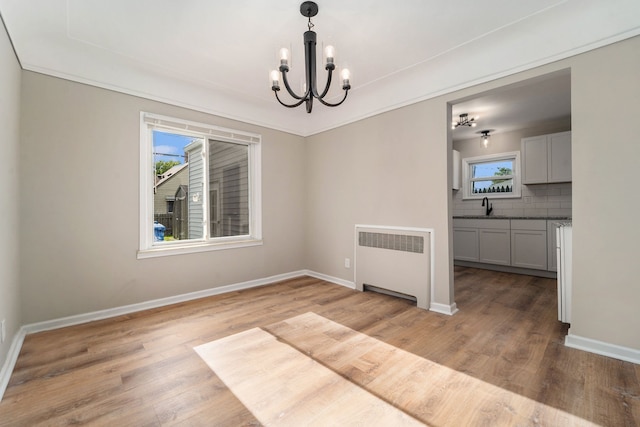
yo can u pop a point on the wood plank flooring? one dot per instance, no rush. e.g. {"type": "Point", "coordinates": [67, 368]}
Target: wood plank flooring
{"type": "Point", "coordinates": [141, 369]}
{"type": "Point", "coordinates": [281, 385]}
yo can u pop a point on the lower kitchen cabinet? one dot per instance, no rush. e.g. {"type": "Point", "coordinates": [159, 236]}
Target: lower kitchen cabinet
{"type": "Point", "coordinates": [529, 244]}
{"type": "Point", "coordinates": [465, 244]}
{"type": "Point", "coordinates": [522, 243]}
{"type": "Point", "coordinates": [494, 246]}
{"type": "Point", "coordinates": [482, 240]}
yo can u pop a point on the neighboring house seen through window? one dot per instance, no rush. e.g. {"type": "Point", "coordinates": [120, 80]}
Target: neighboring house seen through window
{"type": "Point", "coordinates": [200, 187]}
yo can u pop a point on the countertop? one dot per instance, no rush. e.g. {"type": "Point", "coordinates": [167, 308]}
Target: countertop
{"type": "Point", "coordinates": [557, 218]}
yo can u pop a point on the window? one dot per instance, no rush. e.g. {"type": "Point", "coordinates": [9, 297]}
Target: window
{"type": "Point", "coordinates": [495, 176]}
{"type": "Point", "coordinates": [199, 186]}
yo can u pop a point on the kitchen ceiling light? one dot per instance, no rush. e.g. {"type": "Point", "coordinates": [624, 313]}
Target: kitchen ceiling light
{"type": "Point", "coordinates": [309, 9]}
{"type": "Point", "coordinates": [485, 138]}
{"type": "Point", "coordinates": [465, 121]}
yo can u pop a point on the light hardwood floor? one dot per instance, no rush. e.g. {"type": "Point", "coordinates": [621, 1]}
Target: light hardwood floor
{"type": "Point", "coordinates": [141, 369]}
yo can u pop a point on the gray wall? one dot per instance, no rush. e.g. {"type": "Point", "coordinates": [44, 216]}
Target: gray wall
{"type": "Point", "coordinates": [386, 170]}
{"type": "Point", "coordinates": [79, 228]}
{"type": "Point", "coordinates": [9, 143]}
{"type": "Point", "coordinates": [392, 169]}
{"type": "Point", "coordinates": [605, 87]}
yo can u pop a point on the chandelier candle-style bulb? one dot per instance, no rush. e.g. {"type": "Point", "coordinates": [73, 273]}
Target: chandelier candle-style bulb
{"type": "Point", "coordinates": [346, 75]}
{"type": "Point", "coordinates": [310, 89]}
{"type": "Point", "coordinates": [275, 80]}
{"type": "Point", "coordinates": [284, 57]}
{"type": "Point", "coordinates": [330, 53]}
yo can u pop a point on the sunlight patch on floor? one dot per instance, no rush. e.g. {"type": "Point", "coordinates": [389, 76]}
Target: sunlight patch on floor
{"type": "Point", "coordinates": [280, 385]}
{"type": "Point", "coordinates": [309, 370]}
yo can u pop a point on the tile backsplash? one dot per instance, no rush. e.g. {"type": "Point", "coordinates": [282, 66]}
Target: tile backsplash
{"type": "Point", "coordinates": [537, 200]}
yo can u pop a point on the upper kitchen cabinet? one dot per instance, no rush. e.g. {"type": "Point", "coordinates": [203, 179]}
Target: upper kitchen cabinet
{"type": "Point", "coordinates": [546, 158]}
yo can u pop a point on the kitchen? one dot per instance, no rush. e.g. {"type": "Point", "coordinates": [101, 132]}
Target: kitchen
{"type": "Point", "coordinates": [512, 181]}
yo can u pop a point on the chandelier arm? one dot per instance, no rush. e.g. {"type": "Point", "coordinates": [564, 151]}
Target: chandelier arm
{"type": "Point", "coordinates": [346, 92]}
{"type": "Point", "coordinates": [291, 92]}
{"type": "Point", "coordinates": [326, 88]}
{"type": "Point", "coordinates": [294, 105]}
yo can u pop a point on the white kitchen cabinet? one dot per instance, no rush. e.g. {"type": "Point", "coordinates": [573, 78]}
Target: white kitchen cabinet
{"type": "Point", "coordinates": [482, 240]}
{"type": "Point", "coordinates": [495, 246]}
{"type": "Point", "coordinates": [534, 159]}
{"type": "Point", "coordinates": [529, 244]}
{"type": "Point", "coordinates": [546, 158]}
{"type": "Point", "coordinates": [559, 160]}
{"type": "Point", "coordinates": [522, 243]}
{"type": "Point", "coordinates": [465, 244]}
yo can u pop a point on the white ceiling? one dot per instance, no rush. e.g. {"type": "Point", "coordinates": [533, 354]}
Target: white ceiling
{"type": "Point", "coordinates": [518, 106]}
{"type": "Point", "coordinates": [215, 56]}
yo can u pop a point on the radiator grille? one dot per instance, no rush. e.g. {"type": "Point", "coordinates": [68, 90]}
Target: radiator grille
{"type": "Point", "coordinates": [396, 242]}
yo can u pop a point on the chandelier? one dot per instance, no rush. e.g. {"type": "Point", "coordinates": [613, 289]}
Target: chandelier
{"type": "Point", "coordinates": [465, 121]}
{"type": "Point", "coordinates": [309, 9]}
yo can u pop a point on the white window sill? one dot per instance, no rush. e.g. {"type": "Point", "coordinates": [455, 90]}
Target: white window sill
{"type": "Point", "coordinates": [492, 196]}
{"type": "Point", "coordinates": [195, 247]}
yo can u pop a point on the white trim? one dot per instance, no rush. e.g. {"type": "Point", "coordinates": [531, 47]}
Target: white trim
{"type": "Point", "coordinates": [432, 253]}
{"type": "Point", "coordinates": [335, 280]}
{"type": "Point", "coordinates": [132, 308]}
{"type": "Point", "coordinates": [602, 348]}
{"type": "Point", "coordinates": [10, 361]}
{"type": "Point", "coordinates": [449, 309]}
{"type": "Point", "coordinates": [161, 302]}
{"type": "Point", "coordinates": [198, 129]}
{"type": "Point", "coordinates": [195, 247]}
{"type": "Point", "coordinates": [466, 176]}
{"type": "Point", "coordinates": [147, 247]}
{"type": "Point", "coordinates": [306, 128]}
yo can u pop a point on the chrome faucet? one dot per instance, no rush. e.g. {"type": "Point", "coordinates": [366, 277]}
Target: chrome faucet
{"type": "Point", "coordinates": [489, 207]}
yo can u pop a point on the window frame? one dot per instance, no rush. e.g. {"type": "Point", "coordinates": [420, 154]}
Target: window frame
{"type": "Point", "coordinates": [148, 248]}
{"type": "Point", "coordinates": [467, 180]}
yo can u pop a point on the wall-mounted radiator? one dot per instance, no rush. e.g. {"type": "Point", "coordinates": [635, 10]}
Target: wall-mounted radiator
{"type": "Point", "coordinates": [396, 259]}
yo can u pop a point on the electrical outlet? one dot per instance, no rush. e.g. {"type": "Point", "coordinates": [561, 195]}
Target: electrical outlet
{"type": "Point", "coordinates": [347, 263]}
{"type": "Point", "coordinates": [3, 332]}
{"type": "Point", "coordinates": [527, 199]}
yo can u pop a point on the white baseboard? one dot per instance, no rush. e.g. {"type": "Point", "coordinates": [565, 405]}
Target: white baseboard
{"type": "Point", "coordinates": [434, 306]}
{"type": "Point", "coordinates": [603, 348]}
{"type": "Point", "coordinates": [443, 308]}
{"type": "Point", "coordinates": [337, 281]}
{"type": "Point", "coordinates": [132, 308]}
{"type": "Point", "coordinates": [18, 339]}
{"type": "Point", "coordinates": [10, 361]}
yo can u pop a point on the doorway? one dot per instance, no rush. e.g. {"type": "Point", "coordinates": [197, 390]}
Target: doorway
{"type": "Point", "coordinates": [510, 115]}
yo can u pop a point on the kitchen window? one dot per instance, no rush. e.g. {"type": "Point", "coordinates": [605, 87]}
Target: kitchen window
{"type": "Point", "coordinates": [496, 176]}
{"type": "Point", "coordinates": [213, 183]}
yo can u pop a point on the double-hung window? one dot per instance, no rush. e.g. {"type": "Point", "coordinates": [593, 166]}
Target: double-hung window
{"type": "Point", "coordinates": [494, 176]}
{"type": "Point", "coordinates": [199, 187]}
